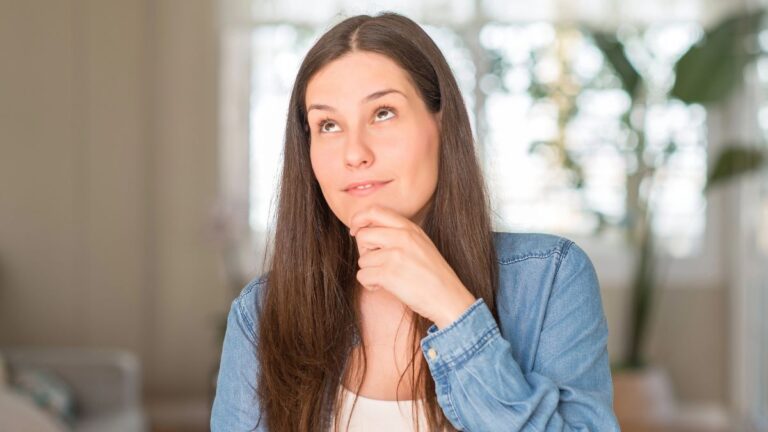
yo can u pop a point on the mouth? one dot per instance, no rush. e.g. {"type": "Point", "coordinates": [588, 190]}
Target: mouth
{"type": "Point", "coordinates": [367, 188]}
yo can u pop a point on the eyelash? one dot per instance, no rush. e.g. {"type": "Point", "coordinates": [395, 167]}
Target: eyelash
{"type": "Point", "coordinates": [323, 121]}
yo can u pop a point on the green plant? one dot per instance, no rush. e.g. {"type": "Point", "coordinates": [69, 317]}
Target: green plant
{"type": "Point", "coordinates": [706, 74]}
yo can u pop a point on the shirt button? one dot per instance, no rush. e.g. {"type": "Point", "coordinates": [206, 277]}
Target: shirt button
{"type": "Point", "coordinates": [432, 353]}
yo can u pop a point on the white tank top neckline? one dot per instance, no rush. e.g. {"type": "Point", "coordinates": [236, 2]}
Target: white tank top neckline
{"type": "Point", "coordinates": [379, 415]}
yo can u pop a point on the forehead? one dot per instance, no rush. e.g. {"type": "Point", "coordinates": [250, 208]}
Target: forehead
{"type": "Point", "coordinates": [348, 79]}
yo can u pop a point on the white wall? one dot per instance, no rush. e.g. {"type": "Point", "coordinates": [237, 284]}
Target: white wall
{"type": "Point", "coordinates": [108, 167]}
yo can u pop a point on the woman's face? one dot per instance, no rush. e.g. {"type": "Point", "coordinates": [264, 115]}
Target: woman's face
{"type": "Point", "coordinates": [368, 125]}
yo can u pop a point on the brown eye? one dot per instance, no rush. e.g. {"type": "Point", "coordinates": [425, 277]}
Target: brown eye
{"type": "Point", "coordinates": [384, 110]}
{"type": "Point", "coordinates": [323, 126]}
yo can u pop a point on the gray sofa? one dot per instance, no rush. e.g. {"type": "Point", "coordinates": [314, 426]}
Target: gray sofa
{"type": "Point", "coordinates": [105, 382]}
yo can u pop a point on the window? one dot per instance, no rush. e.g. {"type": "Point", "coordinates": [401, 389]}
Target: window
{"type": "Point", "coordinates": [512, 74]}
{"type": "Point", "coordinates": [555, 90]}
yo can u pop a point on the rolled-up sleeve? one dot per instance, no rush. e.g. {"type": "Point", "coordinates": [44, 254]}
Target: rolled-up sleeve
{"type": "Point", "coordinates": [482, 388]}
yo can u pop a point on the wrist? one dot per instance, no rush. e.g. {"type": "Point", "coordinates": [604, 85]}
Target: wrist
{"type": "Point", "coordinates": [454, 311]}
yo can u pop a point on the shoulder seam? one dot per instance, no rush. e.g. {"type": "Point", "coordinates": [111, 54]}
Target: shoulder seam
{"type": "Point", "coordinates": [529, 256]}
{"type": "Point", "coordinates": [241, 307]}
{"type": "Point", "coordinates": [564, 254]}
{"type": "Point", "coordinates": [561, 248]}
{"type": "Point", "coordinates": [244, 316]}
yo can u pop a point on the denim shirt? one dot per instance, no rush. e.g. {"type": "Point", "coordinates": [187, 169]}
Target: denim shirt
{"type": "Point", "coordinates": [544, 368]}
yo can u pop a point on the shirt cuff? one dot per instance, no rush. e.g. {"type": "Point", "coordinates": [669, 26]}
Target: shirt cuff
{"type": "Point", "coordinates": [455, 343]}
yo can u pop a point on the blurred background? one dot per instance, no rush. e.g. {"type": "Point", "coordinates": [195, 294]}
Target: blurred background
{"type": "Point", "coordinates": [140, 144]}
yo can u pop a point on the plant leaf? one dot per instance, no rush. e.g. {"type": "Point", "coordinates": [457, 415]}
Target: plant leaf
{"type": "Point", "coordinates": [734, 161]}
{"type": "Point", "coordinates": [711, 68]}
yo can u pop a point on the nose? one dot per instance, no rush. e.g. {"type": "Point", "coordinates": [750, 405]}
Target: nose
{"type": "Point", "coordinates": [357, 152]}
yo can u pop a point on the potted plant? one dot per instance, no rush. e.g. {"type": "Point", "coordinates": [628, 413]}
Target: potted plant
{"type": "Point", "coordinates": [706, 74]}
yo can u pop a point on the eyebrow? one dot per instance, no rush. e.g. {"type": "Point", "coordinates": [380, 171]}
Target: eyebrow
{"type": "Point", "coordinates": [370, 97]}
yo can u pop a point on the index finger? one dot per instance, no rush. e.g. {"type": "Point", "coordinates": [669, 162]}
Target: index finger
{"type": "Point", "coordinates": [377, 215]}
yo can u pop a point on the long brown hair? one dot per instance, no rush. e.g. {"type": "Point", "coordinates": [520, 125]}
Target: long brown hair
{"type": "Point", "coordinates": [309, 319]}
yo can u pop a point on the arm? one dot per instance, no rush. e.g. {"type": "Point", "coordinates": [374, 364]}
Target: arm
{"type": "Point", "coordinates": [481, 387]}
{"type": "Point", "coordinates": [235, 406]}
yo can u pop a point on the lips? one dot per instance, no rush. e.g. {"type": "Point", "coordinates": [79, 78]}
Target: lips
{"type": "Point", "coordinates": [364, 188]}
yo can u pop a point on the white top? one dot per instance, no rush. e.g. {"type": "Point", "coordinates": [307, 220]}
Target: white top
{"type": "Point", "coordinates": [376, 415]}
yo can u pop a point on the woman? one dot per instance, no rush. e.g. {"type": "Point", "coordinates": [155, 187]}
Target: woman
{"type": "Point", "coordinates": [385, 261]}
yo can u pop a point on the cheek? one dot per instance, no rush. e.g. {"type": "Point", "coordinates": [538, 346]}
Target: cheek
{"type": "Point", "coordinates": [321, 166]}
{"type": "Point", "coordinates": [325, 168]}
{"type": "Point", "coordinates": [420, 156]}
{"type": "Point", "coordinates": [426, 170]}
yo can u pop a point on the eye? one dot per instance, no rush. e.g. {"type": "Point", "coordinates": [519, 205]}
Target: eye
{"type": "Point", "coordinates": [384, 109]}
{"type": "Point", "coordinates": [321, 125]}
{"type": "Point", "coordinates": [326, 125]}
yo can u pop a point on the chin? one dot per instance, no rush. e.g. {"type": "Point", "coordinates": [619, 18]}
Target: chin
{"type": "Point", "coordinates": [351, 205]}
{"type": "Point", "coordinates": [346, 215]}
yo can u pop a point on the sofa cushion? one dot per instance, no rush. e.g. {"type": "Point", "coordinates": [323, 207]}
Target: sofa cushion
{"type": "Point", "coordinates": [126, 420]}
{"type": "Point", "coordinates": [18, 413]}
{"type": "Point", "coordinates": [47, 390]}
